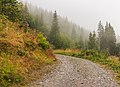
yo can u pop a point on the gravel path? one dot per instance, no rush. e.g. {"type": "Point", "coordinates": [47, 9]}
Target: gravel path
{"type": "Point", "coordinates": [76, 72]}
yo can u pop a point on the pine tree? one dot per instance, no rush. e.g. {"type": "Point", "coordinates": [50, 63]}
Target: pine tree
{"type": "Point", "coordinates": [41, 20]}
{"type": "Point", "coordinates": [73, 34]}
{"type": "Point", "coordinates": [73, 37]}
{"type": "Point", "coordinates": [101, 36]}
{"type": "Point", "coordinates": [92, 44]}
{"type": "Point", "coordinates": [110, 39]}
{"type": "Point", "coordinates": [81, 43]}
{"type": "Point", "coordinates": [54, 33]}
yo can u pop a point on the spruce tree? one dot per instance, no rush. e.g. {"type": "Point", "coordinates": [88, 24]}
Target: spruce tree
{"type": "Point", "coordinates": [54, 33]}
{"type": "Point", "coordinates": [81, 43]}
{"type": "Point", "coordinates": [73, 34]}
{"type": "Point", "coordinates": [110, 39]}
{"type": "Point", "coordinates": [92, 44]}
{"type": "Point", "coordinates": [73, 38]}
{"type": "Point", "coordinates": [101, 36]}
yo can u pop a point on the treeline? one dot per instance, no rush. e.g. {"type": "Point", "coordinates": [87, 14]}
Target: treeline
{"type": "Point", "coordinates": [40, 20]}
{"type": "Point", "coordinates": [59, 31]}
{"type": "Point", "coordinates": [70, 34]}
{"type": "Point", "coordinates": [106, 40]}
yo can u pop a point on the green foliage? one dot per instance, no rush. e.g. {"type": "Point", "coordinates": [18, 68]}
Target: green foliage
{"type": "Point", "coordinates": [92, 44]}
{"type": "Point", "coordinates": [107, 38]}
{"type": "Point", "coordinates": [101, 36]}
{"type": "Point", "coordinates": [11, 8]}
{"type": "Point", "coordinates": [81, 43]}
{"type": "Point", "coordinates": [118, 49]}
{"type": "Point", "coordinates": [55, 33]}
{"type": "Point", "coordinates": [8, 74]}
{"type": "Point", "coordinates": [73, 34]}
{"type": "Point", "coordinates": [42, 41]}
{"type": "Point", "coordinates": [110, 39]}
{"type": "Point", "coordinates": [64, 41]}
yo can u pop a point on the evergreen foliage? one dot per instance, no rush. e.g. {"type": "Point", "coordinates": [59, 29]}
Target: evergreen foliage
{"type": "Point", "coordinates": [110, 39]}
{"type": "Point", "coordinates": [55, 33]}
{"type": "Point", "coordinates": [11, 8]}
{"type": "Point", "coordinates": [92, 44]}
{"type": "Point", "coordinates": [107, 38]}
{"type": "Point", "coordinates": [101, 36]}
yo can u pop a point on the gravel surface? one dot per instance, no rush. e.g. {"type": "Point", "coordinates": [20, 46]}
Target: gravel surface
{"type": "Point", "coordinates": [76, 72]}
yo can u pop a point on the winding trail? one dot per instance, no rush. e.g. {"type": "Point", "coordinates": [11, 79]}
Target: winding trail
{"type": "Point", "coordinates": [76, 72]}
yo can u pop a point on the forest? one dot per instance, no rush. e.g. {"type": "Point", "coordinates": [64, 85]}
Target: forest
{"type": "Point", "coordinates": [30, 34]}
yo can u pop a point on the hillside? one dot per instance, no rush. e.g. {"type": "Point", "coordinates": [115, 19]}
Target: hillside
{"type": "Point", "coordinates": [21, 53]}
{"type": "Point", "coordinates": [65, 25]}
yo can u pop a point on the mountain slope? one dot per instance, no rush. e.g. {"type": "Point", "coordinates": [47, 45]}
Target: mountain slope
{"type": "Point", "coordinates": [20, 53]}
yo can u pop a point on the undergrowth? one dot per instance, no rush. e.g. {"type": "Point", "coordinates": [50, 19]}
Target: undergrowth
{"type": "Point", "coordinates": [20, 53]}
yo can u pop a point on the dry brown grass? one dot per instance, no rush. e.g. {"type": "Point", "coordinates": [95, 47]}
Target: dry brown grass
{"type": "Point", "coordinates": [13, 49]}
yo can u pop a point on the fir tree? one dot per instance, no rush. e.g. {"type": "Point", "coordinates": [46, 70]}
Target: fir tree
{"type": "Point", "coordinates": [73, 34]}
{"type": "Point", "coordinates": [110, 39]}
{"type": "Point", "coordinates": [54, 33]}
{"type": "Point", "coordinates": [92, 44]}
{"type": "Point", "coordinates": [101, 36]}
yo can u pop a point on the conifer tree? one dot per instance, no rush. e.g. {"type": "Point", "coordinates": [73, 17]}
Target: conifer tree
{"type": "Point", "coordinates": [110, 39]}
{"type": "Point", "coordinates": [92, 44]}
{"type": "Point", "coordinates": [73, 38]}
{"type": "Point", "coordinates": [81, 43]}
{"type": "Point", "coordinates": [54, 33]}
{"type": "Point", "coordinates": [101, 36]}
{"type": "Point", "coordinates": [73, 34]}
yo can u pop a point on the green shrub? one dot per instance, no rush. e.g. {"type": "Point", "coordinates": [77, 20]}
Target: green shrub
{"type": "Point", "coordinates": [42, 41]}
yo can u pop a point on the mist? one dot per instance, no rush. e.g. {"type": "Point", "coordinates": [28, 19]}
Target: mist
{"type": "Point", "coordinates": [86, 13]}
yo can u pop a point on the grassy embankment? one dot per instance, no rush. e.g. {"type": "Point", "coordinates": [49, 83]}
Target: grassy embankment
{"type": "Point", "coordinates": [21, 54]}
{"type": "Point", "coordinates": [111, 62]}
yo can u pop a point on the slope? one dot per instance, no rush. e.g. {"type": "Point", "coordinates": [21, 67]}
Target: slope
{"type": "Point", "coordinates": [21, 53]}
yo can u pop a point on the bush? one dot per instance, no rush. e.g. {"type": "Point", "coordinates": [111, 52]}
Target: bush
{"type": "Point", "coordinates": [42, 41]}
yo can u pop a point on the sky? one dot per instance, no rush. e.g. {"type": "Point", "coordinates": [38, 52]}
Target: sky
{"type": "Point", "coordinates": [86, 13]}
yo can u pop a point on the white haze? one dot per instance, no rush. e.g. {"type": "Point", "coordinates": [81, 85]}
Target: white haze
{"type": "Point", "coordinates": [85, 13]}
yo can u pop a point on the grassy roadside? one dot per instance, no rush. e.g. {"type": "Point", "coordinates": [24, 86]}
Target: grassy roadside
{"type": "Point", "coordinates": [111, 62]}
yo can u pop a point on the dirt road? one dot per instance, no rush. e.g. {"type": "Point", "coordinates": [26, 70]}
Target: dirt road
{"type": "Point", "coordinates": [76, 72]}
